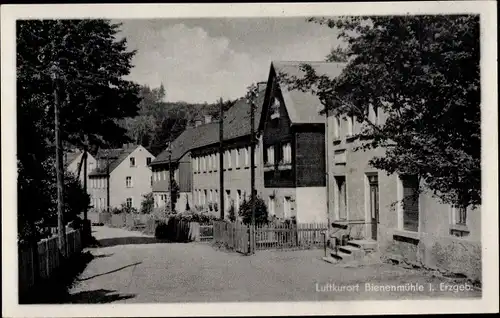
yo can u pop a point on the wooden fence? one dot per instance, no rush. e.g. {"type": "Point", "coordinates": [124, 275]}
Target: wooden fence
{"type": "Point", "coordinates": [233, 235]}
{"type": "Point", "coordinates": [48, 256]}
{"type": "Point", "coordinates": [290, 236]}
{"type": "Point", "coordinates": [246, 239]}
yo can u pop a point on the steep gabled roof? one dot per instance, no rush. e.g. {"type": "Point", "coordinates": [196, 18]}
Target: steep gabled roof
{"type": "Point", "coordinates": [304, 107]}
{"type": "Point", "coordinates": [236, 124]}
{"type": "Point", "coordinates": [115, 156]}
{"type": "Point", "coordinates": [190, 138]}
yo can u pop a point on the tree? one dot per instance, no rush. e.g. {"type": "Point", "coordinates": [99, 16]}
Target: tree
{"type": "Point", "coordinates": [422, 72]}
{"type": "Point", "coordinates": [88, 63]}
{"type": "Point", "coordinates": [261, 214]}
{"type": "Point", "coordinates": [148, 203]}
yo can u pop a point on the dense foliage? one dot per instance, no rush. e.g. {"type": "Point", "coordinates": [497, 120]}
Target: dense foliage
{"type": "Point", "coordinates": [148, 203]}
{"type": "Point", "coordinates": [261, 214]}
{"type": "Point", "coordinates": [85, 62]}
{"type": "Point", "coordinates": [422, 73]}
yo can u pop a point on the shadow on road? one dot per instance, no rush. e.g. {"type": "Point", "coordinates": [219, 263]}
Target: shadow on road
{"type": "Point", "coordinates": [98, 296]}
{"type": "Point", "coordinates": [113, 271]}
{"type": "Point", "coordinates": [130, 240]}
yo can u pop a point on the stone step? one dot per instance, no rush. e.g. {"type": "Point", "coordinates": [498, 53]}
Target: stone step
{"type": "Point", "coordinates": [367, 245]}
{"type": "Point", "coordinates": [342, 256]}
{"type": "Point", "coordinates": [357, 252]}
{"type": "Point", "coordinates": [330, 259]}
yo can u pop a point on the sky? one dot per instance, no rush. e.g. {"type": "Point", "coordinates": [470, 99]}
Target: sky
{"type": "Point", "coordinates": [200, 60]}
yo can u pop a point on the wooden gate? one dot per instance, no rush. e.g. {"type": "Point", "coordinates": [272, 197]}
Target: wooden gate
{"type": "Point", "coordinates": [233, 235]}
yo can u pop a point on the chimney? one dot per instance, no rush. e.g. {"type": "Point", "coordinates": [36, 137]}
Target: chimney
{"type": "Point", "coordinates": [197, 122]}
{"type": "Point", "coordinates": [208, 119]}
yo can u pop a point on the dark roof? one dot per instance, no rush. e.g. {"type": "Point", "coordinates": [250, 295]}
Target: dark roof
{"type": "Point", "coordinates": [190, 138]}
{"type": "Point", "coordinates": [236, 124]}
{"type": "Point", "coordinates": [115, 156]}
{"type": "Point", "coordinates": [304, 107]}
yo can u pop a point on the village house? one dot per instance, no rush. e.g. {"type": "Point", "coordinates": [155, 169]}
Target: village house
{"type": "Point", "coordinates": [122, 176]}
{"type": "Point", "coordinates": [72, 160]}
{"type": "Point", "coordinates": [236, 158]}
{"type": "Point", "coordinates": [179, 156]}
{"type": "Point", "coordinates": [294, 148]}
{"type": "Point", "coordinates": [369, 203]}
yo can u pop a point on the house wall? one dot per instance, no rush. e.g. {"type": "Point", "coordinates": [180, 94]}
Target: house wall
{"type": "Point", "coordinates": [432, 246]}
{"type": "Point", "coordinates": [91, 165]}
{"type": "Point", "coordinates": [141, 179]}
{"type": "Point", "coordinates": [97, 190]}
{"type": "Point", "coordinates": [311, 203]}
{"type": "Point", "coordinates": [235, 177]}
{"type": "Point", "coordinates": [310, 156]}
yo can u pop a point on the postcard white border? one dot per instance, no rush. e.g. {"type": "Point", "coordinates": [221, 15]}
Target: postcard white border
{"type": "Point", "coordinates": [487, 10]}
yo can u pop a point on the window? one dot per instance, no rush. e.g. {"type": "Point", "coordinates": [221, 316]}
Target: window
{"type": "Point", "coordinates": [100, 203]}
{"type": "Point", "coordinates": [459, 215]}
{"type": "Point", "coordinates": [148, 161]}
{"type": "Point", "coordinates": [256, 155]}
{"type": "Point", "coordinates": [410, 204]}
{"type": "Point", "coordinates": [270, 155]}
{"type": "Point", "coordinates": [132, 161]}
{"type": "Point", "coordinates": [164, 174]}
{"type": "Point", "coordinates": [247, 157]}
{"type": "Point", "coordinates": [275, 109]}
{"type": "Point", "coordinates": [176, 175]}
{"type": "Point", "coordinates": [216, 197]}
{"type": "Point", "coordinates": [349, 120]}
{"type": "Point", "coordinates": [129, 202]}
{"type": "Point", "coordinates": [270, 204]}
{"type": "Point", "coordinates": [203, 165]}
{"type": "Point", "coordinates": [128, 182]}
{"type": "Point", "coordinates": [287, 211]}
{"type": "Point", "coordinates": [373, 114]}
{"type": "Point", "coordinates": [341, 197]}
{"type": "Point", "coordinates": [336, 128]}
{"type": "Point", "coordinates": [91, 166]}
{"type": "Point", "coordinates": [237, 201]}
{"type": "Point", "coordinates": [227, 200]}
{"type": "Point", "coordinates": [228, 159]}
{"type": "Point", "coordinates": [287, 153]}
{"type": "Point", "coordinates": [237, 158]}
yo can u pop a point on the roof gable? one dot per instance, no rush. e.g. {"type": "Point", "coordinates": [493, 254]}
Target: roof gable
{"type": "Point", "coordinates": [115, 156]}
{"type": "Point", "coordinates": [303, 107]}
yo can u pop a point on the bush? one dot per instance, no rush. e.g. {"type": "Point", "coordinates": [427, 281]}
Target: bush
{"type": "Point", "coordinates": [116, 210]}
{"type": "Point", "coordinates": [147, 203]}
{"type": "Point", "coordinates": [261, 214]}
{"type": "Point", "coordinates": [161, 230]}
{"type": "Point", "coordinates": [127, 209]}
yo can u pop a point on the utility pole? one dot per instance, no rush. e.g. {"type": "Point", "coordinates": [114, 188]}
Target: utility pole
{"type": "Point", "coordinates": [252, 157]}
{"type": "Point", "coordinates": [107, 181]}
{"type": "Point", "coordinates": [169, 145]}
{"type": "Point", "coordinates": [59, 168]}
{"type": "Point", "coordinates": [55, 73]}
{"type": "Point", "coordinates": [221, 158]}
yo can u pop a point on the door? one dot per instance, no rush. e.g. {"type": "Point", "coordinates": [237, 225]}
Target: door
{"type": "Point", "coordinates": [374, 204]}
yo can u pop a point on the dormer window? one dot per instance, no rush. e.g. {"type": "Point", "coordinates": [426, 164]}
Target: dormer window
{"type": "Point", "coordinates": [275, 109]}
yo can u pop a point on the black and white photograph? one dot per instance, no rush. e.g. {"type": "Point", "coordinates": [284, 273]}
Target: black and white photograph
{"type": "Point", "coordinates": [249, 159]}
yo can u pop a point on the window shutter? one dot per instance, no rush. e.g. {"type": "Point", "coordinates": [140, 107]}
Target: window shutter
{"type": "Point", "coordinates": [410, 203]}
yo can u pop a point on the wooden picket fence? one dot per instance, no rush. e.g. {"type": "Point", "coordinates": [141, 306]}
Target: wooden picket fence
{"type": "Point", "coordinates": [246, 238]}
{"type": "Point", "coordinates": [48, 256]}
{"type": "Point", "coordinates": [233, 235]}
{"type": "Point", "coordinates": [290, 236]}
